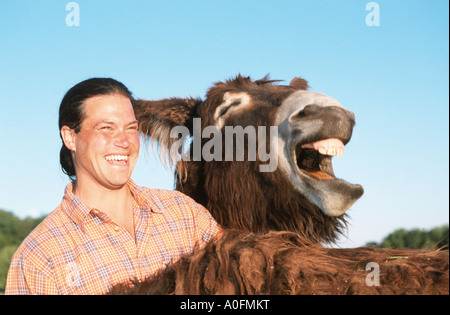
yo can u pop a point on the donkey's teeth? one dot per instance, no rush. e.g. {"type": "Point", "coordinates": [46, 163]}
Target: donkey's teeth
{"type": "Point", "coordinates": [331, 151]}
{"type": "Point", "coordinates": [331, 147]}
{"type": "Point", "coordinates": [323, 150]}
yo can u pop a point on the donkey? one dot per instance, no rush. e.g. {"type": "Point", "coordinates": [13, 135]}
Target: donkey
{"type": "Point", "coordinates": [259, 158]}
{"type": "Point", "coordinates": [301, 194]}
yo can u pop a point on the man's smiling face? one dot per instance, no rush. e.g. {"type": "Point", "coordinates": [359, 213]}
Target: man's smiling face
{"type": "Point", "coordinates": [107, 147]}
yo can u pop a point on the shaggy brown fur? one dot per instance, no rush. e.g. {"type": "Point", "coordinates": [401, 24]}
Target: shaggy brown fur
{"type": "Point", "coordinates": [281, 263]}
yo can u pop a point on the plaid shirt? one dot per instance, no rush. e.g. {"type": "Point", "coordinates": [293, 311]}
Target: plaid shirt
{"type": "Point", "coordinates": [77, 250]}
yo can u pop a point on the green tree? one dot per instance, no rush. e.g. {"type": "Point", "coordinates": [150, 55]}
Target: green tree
{"type": "Point", "coordinates": [8, 225]}
{"type": "Point", "coordinates": [13, 231]}
{"type": "Point", "coordinates": [395, 240]}
{"type": "Point", "coordinates": [417, 239]}
{"type": "Point", "coordinates": [6, 254]}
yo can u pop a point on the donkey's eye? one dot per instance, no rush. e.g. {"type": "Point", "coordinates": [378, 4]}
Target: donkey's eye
{"type": "Point", "coordinates": [223, 110]}
{"type": "Point", "coordinates": [231, 101]}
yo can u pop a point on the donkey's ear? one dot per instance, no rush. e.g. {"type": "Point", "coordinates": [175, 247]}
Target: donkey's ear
{"type": "Point", "coordinates": [299, 84]}
{"type": "Point", "coordinates": [165, 113]}
{"type": "Point", "coordinates": [157, 118]}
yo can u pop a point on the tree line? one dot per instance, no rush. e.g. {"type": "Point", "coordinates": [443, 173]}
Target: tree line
{"type": "Point", "coordinates": [13, 231]}
{"type": "Point", "coordinates": [416, 238]}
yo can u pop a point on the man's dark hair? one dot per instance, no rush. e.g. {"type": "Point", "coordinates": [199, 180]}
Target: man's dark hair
{"type": "Point", "coordinates": [71, 110]}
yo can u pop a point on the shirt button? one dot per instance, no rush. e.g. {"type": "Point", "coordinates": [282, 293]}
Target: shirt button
{"type": "Point", "coordinates": [116, 229]}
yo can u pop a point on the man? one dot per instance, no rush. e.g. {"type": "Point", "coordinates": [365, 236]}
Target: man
{"type": "Point", "coordinates": [107, 230]}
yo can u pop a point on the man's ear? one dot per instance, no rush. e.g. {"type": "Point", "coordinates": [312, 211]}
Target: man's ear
{"type": "Point", "coordinates": [68, 137]}
{"type": "Point", "coordinates": [158, 118]}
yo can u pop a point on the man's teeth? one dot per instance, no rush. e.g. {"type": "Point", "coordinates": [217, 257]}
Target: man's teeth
{"type": "Point", "coordinates": [331, 147]}
{"type": "Point", "coordinates": [117, 158]}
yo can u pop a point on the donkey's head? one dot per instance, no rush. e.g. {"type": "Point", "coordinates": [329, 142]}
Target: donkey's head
{"type": "Point", "coordinates": [261, 154]}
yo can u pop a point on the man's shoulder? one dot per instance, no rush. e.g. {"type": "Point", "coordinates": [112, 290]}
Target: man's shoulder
{"type": "Point", "coordinates": [165, 195]}
{"type": "Point", "coordinates": [44, 237]}
{"type": "Point", "coordinates": [165, 199]}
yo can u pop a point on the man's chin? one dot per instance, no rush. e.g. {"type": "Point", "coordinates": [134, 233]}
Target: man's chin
{"type": "Point", "coordinates": [116, 183]}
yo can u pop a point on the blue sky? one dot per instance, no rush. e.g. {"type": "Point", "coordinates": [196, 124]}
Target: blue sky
{"type": "Point", "coordinates": [395, 78]}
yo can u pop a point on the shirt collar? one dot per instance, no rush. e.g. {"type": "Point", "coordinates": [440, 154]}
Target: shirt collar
{"type": "Point", "coordinates": [145, 198]}
{"type": "Point", "coordinates": [77, 210]}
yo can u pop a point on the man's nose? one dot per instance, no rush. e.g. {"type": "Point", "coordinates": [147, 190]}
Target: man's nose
{"type": "Point", "coordinates": [121, 139]}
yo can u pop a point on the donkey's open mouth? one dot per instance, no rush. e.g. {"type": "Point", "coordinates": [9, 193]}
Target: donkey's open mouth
{"type": "Point", "coordinates": [315, 177]}
{"type": "Point", "coordinates": [315, 158]}
{"type": "Point", "coordinates": [314, 129]}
